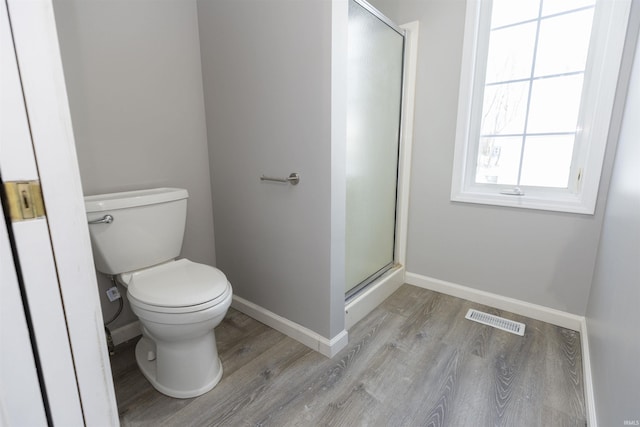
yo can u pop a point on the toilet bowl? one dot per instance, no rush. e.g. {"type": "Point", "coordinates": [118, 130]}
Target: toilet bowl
{"type": "Point", "coordinates": [178, 302]}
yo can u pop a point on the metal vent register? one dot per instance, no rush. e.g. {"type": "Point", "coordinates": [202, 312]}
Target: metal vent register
{"type": "Point", "coordinates": [496, 321]}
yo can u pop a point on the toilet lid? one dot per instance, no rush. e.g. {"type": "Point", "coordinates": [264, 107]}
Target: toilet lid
{"type": "Point", "coordinates": [180, 283]}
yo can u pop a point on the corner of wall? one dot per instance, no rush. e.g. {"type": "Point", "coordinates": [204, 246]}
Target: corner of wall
{"type": "Point", "coordinates": [316, 342]}
{"type": "Point", "coordinates": [589, 397]}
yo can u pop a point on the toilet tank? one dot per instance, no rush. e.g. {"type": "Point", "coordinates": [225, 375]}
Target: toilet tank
{"type": "Point", "coordinates": [147, 228]}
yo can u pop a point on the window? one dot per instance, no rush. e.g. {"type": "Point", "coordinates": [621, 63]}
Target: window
{"type": "Point", "coordinates": [536, 95]}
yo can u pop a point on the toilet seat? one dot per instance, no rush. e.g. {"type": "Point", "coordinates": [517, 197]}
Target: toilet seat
{"type": "Point", "coordinates": [177, 287]}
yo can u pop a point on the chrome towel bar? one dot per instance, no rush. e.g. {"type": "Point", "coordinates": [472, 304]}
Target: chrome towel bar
{"type": "Point", "coordinates": [293, 178]}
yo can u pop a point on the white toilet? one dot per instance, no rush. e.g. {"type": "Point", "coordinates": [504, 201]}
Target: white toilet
{"type": "Point", "coordinates": [136, 236]}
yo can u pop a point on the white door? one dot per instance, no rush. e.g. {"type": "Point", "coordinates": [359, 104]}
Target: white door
{"type": "Point", "coordinates": [32, 244]}
{"type": "Point", "coordinates": [52, 254]}
{"type": "Point", "coordinates": [21, 399]}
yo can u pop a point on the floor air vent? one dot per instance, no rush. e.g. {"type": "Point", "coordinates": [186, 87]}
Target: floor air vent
{"type": "Point", "coordinates": [495, 321]}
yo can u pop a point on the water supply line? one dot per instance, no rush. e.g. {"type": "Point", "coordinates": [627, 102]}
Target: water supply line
{"type": "Point", "coordinates": [107, 331]}
{"type": "Point", "coordinates": [120, 304]}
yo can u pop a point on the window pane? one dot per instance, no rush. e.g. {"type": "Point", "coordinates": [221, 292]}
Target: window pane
{"type": "Point", "coordinates": [511, 53]}
{"type": "Point", "coordinates": [557, 6]}
{"type": "Point", "coordinates": [504, 108]}
{"type": "Point", "coordinates": [563, 43]}
{"type": "Point", "coordinates": [505, 12]}
{"type": "Point", "coordinates": [498, 160]}
{"type": "Point", "coordinates": [555, 103]}
{"type": "Point", "coordinates": [547, 161]}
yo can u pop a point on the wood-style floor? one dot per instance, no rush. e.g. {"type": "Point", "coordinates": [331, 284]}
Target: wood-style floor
{"type": "Point", "coordinates": [413, 361]}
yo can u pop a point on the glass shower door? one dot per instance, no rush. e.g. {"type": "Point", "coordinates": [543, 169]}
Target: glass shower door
{"type": "Point", "coordinates": [375, 59]}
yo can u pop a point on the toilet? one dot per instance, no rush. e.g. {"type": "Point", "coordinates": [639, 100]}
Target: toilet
{"type": "Point", "coordinates": [137, 236]}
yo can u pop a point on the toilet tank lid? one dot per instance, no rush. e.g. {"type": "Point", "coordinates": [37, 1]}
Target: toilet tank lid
{"type": "Point", "coordinates": [128, 199]}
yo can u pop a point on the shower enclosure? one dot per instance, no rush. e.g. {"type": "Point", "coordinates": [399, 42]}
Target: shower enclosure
{"type": "Point", "coordinates": [374, 96]}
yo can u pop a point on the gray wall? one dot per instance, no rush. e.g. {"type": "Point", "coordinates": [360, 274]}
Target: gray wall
{"type": "Point", "coordinates": [613, 315]}
{"type": "Point", "coordinates": [536, 256]}
{"type": "Point", "coordinates": [267, 82]}
{"type": "Point", "coordinates": [134, 80]}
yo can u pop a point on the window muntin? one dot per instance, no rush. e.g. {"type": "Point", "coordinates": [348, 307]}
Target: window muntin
{"type": "Point", "coordinates": [532, 89]}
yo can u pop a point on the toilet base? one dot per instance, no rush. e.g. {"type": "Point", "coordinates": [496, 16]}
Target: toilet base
{"type": "Point", "coordinates": [146, 349]}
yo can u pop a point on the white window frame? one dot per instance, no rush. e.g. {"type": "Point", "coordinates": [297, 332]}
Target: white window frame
{"type": "Point", "coordinates": [600, 82]}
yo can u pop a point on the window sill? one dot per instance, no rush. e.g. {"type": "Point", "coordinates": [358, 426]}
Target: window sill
{"type": "Point", "coordinates": [553, 202]}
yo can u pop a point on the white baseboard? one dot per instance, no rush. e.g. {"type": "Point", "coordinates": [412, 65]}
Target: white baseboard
{"type": "Point", "coordinates": [325, 346]}
{"type": "Point", "coordinates": [373, 296]}
{"type": "Point", "coordinates": [126, 332]}
{"type": "Point", "coordinates": [523, 308]}
{"type": "Point", "coordinates": [589, 397]}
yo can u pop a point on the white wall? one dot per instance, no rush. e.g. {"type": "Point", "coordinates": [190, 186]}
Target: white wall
{"type": "Point", "coordinates": [539, 257]}
{"type": "Point", "coordinates": [134, 80]}
{"type": "Point", "coordinates": [613, 315]}
{"type": "Point", "coordinates": [267, 81]}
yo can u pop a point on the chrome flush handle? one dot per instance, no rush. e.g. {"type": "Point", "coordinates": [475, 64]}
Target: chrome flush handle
{"type": "Point", "coordinates": [107, 219]}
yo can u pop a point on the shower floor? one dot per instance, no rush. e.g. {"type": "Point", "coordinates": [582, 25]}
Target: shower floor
{"type": "Point", "coordinates": [414, 360]}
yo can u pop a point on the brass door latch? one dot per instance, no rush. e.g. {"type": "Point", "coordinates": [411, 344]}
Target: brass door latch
{"type": "Point", "coordinates": [25, 200]}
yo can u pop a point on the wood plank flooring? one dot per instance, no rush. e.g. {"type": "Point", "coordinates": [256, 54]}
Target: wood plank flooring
{"type": "Point", "coordinates": [414, 361]}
